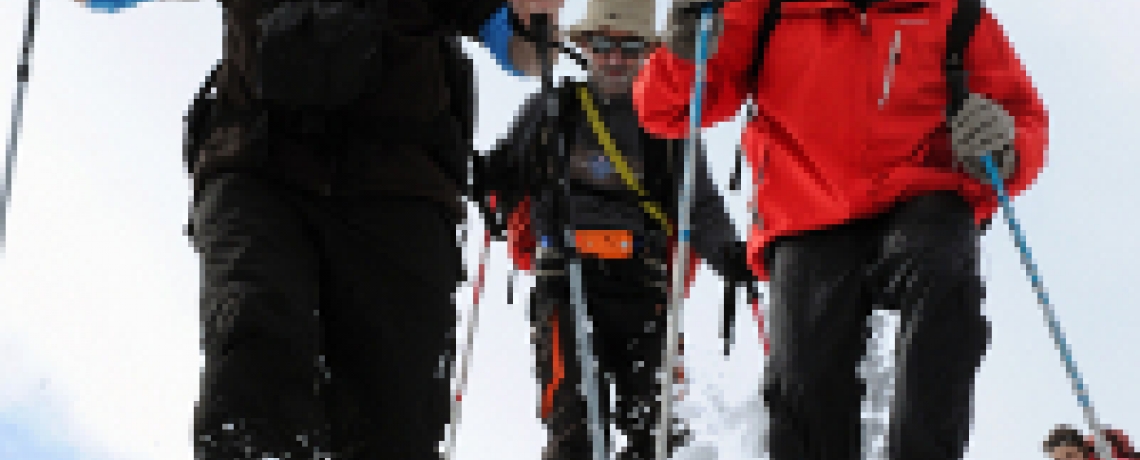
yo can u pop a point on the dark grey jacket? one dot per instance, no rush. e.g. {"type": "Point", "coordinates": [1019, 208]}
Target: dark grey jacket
{"type": "Point", "coordinates": [599, 198]}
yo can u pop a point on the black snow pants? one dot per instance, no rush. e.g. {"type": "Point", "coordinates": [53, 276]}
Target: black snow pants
{"type": "Point", "coordinates": [921, 259]}
{"type": "Point", "coordinates": [327, 323]}
{"type": "Point", "coordinates": [626, 303]}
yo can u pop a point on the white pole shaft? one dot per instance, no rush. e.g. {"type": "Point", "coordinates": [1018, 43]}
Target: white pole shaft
{"type": "Point", "coordinates": [681, 257]}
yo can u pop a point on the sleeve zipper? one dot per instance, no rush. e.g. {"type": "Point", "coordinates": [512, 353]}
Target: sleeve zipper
{"type": "Point", "coordinates": [896, 48]}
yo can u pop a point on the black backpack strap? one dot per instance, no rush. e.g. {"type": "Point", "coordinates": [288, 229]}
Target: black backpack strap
{"type": "Point", "coordinates": [958, 34]}
{"type": "Point", "coordinates": [771, 19]}
{"type": "Point", "coordinates": [767, 26]}
{"type": "Point", "coordinates": [569, 109]}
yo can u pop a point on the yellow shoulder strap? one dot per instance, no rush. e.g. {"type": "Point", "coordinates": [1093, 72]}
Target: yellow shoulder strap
{"type": "Point", "coordinates": [615, 157]}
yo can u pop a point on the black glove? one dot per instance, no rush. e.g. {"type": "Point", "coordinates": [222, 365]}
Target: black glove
{"type": "Point", "coordinates": [736, 264]}
{"type": "Point", "coordinates": [483, 183]}
{"type": "Point", "coordinates": [736, 273]}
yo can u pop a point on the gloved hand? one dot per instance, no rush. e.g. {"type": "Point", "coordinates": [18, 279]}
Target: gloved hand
{"type": "Point", "coordinates": [736, 273]}
{"type": "Point", "coordinates": [483, 183]}
{"type": "Point", "coordinates": [684, 26]}
{"type": "Point", "coordinates": [736, 261]}
{"type": "Point", "coordinates": [980, 127]}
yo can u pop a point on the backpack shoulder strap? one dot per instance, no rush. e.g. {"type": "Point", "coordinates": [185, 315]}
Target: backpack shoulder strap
{"type": "Point", "coordinates": [958, 34]}
{"type": "Point", "coordinates": [644, 197]}
{"type": "Point", "coordinates": [771, 19]}
{"type": "Point", "coordinates": [569, 110]}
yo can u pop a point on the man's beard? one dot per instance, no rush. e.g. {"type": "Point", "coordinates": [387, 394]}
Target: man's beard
{"type": "Point", "coordinates": [613, 85]}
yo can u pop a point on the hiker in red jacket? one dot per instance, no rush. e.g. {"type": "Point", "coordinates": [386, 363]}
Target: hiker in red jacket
{"type": "Point", "coordinates": [870, 197]}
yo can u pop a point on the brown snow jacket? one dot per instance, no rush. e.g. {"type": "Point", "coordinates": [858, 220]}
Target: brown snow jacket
{"type": "Point", "coordinates": [402, 144]}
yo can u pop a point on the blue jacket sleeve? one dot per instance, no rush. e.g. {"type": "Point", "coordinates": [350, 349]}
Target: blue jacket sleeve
{"type": "Point", "coordinates": [496, 35]}
{"type": "Point", "coordinates": [112, 6]}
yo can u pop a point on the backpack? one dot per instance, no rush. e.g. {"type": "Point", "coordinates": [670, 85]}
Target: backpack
{"type": "Point", "coordinates": [958, 34]}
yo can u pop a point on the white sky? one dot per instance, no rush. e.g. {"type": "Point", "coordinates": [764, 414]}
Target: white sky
{"type": "Point", "coordinates": [98, 287]}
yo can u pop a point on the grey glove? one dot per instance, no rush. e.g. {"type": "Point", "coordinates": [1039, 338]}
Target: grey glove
{"type": "Point", "coordinates": [981, 127]}
{"type": "Point", "coordinates": [684, 25]}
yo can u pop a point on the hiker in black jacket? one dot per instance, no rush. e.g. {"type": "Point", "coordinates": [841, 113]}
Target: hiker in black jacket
{"type": "Point", "coordinates": [625, 242]}
{"type": "Point", "coordinates": [328, 175]}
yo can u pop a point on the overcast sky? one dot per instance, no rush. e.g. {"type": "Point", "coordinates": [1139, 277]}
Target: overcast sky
{"type": "Point", "coordinates": [98, 288]}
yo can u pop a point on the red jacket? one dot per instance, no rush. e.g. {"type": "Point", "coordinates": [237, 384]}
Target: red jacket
{"type": "Point", "coordinates": [827, 151]}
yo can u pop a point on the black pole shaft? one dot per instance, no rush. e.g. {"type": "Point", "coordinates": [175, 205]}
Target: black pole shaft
{"type": "Point", "coordinates": [23, 71]}
{"type": "Point", "coordinates": [552, 164]}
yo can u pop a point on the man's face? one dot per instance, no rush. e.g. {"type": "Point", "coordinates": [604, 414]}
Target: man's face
{"type": "Point", "coordinates": [614, 59]}
{"type": "Point", "coordinates": [1067, 453]}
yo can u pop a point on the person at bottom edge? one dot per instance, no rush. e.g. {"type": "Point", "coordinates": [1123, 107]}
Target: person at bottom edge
{"type": "Point", "coordinates": [1067, 443]}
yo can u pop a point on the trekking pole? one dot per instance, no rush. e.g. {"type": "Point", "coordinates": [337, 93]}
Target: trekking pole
{"type": "Point", "coordinates": [541, 27]}
{"type": "Point", "coordinates": [465, 364]}
{"type": "Point", "coordinates": [753, 291]}
{"type": "Point", "coordinates": [511, 285]}
{"type": "Point", "coordinates": [22, 73]}
{"type": "Point", "coordinates": [728, 315]}
{"type": "Point", "coordinates": [754, 300]}
{"type": "Point", "coordinates": [681, 258]}
{"type": "Point", "coordinates": [959, 92]}
{"type": "Point", "coordinates": [1102, 445]}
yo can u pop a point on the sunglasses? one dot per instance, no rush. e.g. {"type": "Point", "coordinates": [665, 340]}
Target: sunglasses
{"type": "Point", "coordinates": [629, 48]}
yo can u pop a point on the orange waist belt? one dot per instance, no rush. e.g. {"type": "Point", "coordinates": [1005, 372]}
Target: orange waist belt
{"type": "Point", "coordinates": [604, 244]}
